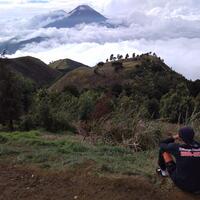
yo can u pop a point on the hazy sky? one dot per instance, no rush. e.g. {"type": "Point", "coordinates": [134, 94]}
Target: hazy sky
{"type": "Point", "coordinates": [171, 28]}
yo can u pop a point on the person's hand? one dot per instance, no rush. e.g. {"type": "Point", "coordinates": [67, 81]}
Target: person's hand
{"type": "Point", "coordinates": [176, 137]}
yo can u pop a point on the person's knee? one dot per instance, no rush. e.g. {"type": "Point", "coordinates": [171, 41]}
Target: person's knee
{"type": "Point", "coordinates": [167, 157]}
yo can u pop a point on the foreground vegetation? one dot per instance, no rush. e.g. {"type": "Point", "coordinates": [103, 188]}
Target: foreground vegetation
{"type": "Point", "coordinates": [123, 102]}
{"type": "Point", "coordinates": [60, 152]}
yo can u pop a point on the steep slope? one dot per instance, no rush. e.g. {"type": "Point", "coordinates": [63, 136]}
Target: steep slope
{"type": "Point", "coordinates": [66, 65]}
{"type": "Point", "coordinates": [140, 73]}
{"type": "Point", "coordinates": [32, 68]}
{"type": "Point", "coordinates": [81, 14]}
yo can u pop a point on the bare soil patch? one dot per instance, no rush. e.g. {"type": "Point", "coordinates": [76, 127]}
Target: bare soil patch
{"type": "Point", "coordinates": [25, 183]}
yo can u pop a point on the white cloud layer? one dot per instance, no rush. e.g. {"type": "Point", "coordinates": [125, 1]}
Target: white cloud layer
{"type": "Point", "coordinates": [169, 28]}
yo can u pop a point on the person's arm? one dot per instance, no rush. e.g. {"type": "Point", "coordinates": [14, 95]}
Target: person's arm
{"type": "Point", "coordinates": [170, 146]}
{"type": "Point", "coordinates": [168, 141]}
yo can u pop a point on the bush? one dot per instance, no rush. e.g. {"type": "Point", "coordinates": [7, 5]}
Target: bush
{"type": "Point", "coordinates": [117, 66]}
{"type": "Point", "coordinates": [116, 90]}
{"type": "Point", "coordinates": [177, 106]}
{"type": "Point", "coordinates": [86, 104]}
{"type": "Point", "coordinates": [72, 90]}
{"type": "Point", "coordinates": [26, 123]}
{"type": "Point", "coordinates": [127, 126]}
{"type": "Point", "coordinates": [3, 139]}
{"type": "Point", "coordinates": [60, 123]}
{"type": "Point", "coordinates": [102, 107]}
{"type": "Point", "coordinates": [153, 108]}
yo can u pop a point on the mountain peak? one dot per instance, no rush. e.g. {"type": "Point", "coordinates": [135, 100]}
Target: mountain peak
{"type": "Point", "coordinates": [83, 7]}
{"type": "Point", "coordinates": [81, 14]}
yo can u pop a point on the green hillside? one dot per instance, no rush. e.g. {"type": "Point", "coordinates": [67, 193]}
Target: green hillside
{"type": "Point", "coordinates": [32, 68]}
{"type": "Point", "coordinates": [66, 65]}
{"type": "Point", "coordinates": [144, 71]}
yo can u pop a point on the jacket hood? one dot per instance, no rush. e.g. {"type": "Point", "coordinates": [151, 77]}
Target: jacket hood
{"type": "Point", "coordinates": [187, 134]}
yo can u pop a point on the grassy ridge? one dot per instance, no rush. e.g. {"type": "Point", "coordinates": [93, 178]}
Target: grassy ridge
{"type": "Point", "coordinates": [33, 69]}
{"type": "Point", "coordinates": [58, 152]}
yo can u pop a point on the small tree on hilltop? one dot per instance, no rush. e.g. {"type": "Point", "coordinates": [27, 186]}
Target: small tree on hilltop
{"type": "Point", "coordinates": [111, 57]}
{"type": "Point", "coordinates": [99, 66]}
{"type": "Point", "coordinates": [127, 56]}
{"type": "Point", "coordinates": [154, 54]}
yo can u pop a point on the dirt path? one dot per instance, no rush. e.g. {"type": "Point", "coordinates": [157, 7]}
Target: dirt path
{"type": "Point", "coordinates": [21, 183]}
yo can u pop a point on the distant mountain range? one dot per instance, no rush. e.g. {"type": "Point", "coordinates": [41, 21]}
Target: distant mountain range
{"type": "Point", "coordinates": [57, 19]}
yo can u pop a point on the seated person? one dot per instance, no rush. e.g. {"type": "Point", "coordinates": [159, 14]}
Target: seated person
{"type": "Point", "coordinates": [179, 157]}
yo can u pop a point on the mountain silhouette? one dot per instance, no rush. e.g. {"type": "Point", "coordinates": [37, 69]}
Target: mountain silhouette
{"type": "Point", "coordinates": [82, 14]}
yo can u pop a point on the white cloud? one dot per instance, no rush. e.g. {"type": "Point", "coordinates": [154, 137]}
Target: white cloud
{"type": "Point", "coordinates": [174, 51]}
{"type": "Point", "coordinates": [170, 28]}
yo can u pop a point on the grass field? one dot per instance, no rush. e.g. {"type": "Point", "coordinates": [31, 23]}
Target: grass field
{"type": "Point", "coordinates": [39, 165]}
{"type": "Point", "coordinates": [61, 151]}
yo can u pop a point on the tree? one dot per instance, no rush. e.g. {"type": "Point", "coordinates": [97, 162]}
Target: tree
{"type": "Point", "coordinates": [127, 56]}
{"type": "Point", "coordinates": [119, 57]}
{"type": "Point", "coordinates": [98, 67]}
{"type": "Point", "coordinates": [100, 64]}
{"type": "Point", "coordinates": [42, 109]}
{"type": "Point", "coordinates": [111, 57]}
{"type": "Point", "coordinates": [154, 54]}
{"type": "Point", "coordinates": [10, 97]}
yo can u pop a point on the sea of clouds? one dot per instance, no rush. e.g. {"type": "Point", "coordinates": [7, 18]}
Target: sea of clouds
{"type": "Point", "coordinates": [169, 28]}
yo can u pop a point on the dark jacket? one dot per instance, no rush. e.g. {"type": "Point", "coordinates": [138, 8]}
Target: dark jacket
{"type": "Point", "coordinates": [187, 172]}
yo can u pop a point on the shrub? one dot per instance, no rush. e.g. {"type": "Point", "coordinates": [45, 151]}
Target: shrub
{"type": "Point", "coordinates": [86, 104]}
{"type": "Point", "coordinates": [3, 139]}
{"type": "Point", "coordinates": [116, 90]}
{"type": "Point", "coordinates": [153, 108]}
{"type": "Point", "coordinates": [27, 123]}
{"type": "Point", "coordinates": [102, 107]}
{"type": "Point", "coordinates": [117, 66]}
{"type": "Point", "coordinates": [177, 105]}
{"type": "Point", "coordinates": [72, 90]}
{"type": "Point", "coordinates": [60, 123]}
